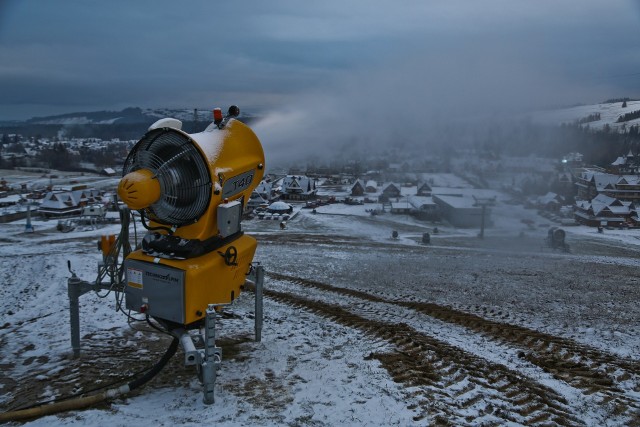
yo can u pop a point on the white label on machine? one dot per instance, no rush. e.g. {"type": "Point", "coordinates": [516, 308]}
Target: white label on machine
{"type": "Point", "coordinates": [134, 278]}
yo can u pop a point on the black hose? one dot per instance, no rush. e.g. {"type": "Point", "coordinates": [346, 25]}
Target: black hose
{"type": "Point", "coordinates": [157, 367]}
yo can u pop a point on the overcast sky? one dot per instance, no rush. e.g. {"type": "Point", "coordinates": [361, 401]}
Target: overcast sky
{"type": "Point", "coordinates": [354, 56]}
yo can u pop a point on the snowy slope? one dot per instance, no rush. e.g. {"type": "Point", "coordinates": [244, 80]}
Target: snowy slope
{"type": "Point", "coordinates": [360, 328]}
{"type": "Point", "coordinates": [609, 113]}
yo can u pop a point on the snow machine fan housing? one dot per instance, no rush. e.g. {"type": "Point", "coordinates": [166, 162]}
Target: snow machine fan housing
{"type": "Point", "coordinates": [177, 180]}
{"type": "Point", "coordinates": [190, 190]}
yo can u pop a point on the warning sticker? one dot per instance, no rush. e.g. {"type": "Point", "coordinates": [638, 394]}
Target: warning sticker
{"type": "Point", "coordinates": [134, 278]}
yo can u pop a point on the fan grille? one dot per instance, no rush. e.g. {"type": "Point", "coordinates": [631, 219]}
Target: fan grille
{"type": "Point", "coordinates": [182, 172]}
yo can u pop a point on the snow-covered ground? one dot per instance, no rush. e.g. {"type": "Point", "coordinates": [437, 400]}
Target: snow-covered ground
{"type": "Point", "coordinates": [360, 328]}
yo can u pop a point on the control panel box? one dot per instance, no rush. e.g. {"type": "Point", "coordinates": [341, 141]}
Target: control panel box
{"type": "Point", "coordinates": [156, 290]}
{"type": "Point", "coordinates": [229, 217]}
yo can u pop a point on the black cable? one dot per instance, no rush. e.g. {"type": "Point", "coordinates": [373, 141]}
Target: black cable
{"type": "Point", "coordinates": [135, 229]}
{"type": "Point", "coordinates": [156, 368]}
{"type": "Point", "coordinates": [162, 331]}
{"type": "Point", "coordinates": [144, 224]}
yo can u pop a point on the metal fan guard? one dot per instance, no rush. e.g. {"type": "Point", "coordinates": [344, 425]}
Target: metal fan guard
{"type": "Point", "coordinates": [181, 170]}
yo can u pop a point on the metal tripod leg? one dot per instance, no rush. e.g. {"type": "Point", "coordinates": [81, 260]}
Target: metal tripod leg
{"type": "Point", "coordinates": [74, 314]}
{"type": "Point", "coordinates": [258, 308]}
{"type": "Point", "coordinates": [75, 289]}
{"type": "Point", "coordinates": [212, 356]}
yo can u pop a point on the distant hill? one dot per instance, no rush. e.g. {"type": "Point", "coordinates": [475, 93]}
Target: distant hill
{"type": "Point", "coordinates": [128, 115]}
{"type": "Point", "coordinates": [130, 123]}
{"type": "Point", "coordinates": [607, 113]}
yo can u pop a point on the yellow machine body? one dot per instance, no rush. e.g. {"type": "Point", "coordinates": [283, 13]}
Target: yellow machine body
{"type": "Point", "coordinates": [183, 296]}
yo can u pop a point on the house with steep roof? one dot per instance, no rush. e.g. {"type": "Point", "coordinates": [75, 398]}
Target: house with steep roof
{"type": "Point", "coordinates": [626, 165]}
{"type": "Point", "coordinates": [550, 201]}
{"type": "Point", "coordinates": [604, 210]}
{"type": "Point", "coordinates": [424, 189]}
{"type": "Point", "coordinates": [297, 187]}
{"type": "Point", "coordinates": [390, 191]}
{"type": "Point", "coordinates": [358, 188]}
{"type": "Point", "coordinates": [623, 187]}
{"type": "Point", "coordinates": [265, 190]}
{"type": "Point", "coordinates": [66, 203]}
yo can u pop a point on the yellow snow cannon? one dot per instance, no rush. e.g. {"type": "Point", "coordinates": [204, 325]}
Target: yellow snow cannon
{"type": "Point", "coordinates": [190, 191]}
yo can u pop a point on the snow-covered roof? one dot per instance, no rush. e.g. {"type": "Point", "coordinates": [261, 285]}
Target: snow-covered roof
{"type": "Point", "coordinates": [421, 202]}
{"type": "Point", "coordinates": [279, 207]}
{"type": "Point", "coordinates": [298, 184]}
{"type": "Point", "coordinates": [460, 202]}
{"type": "Point", "coordinates": [619, 161]}
{"type": "Point", "coordinates": [602, 180]}
{"type": "Point", "coordinates": [548, 198]}
{"type": "Point", "coordinates": [604, 199]}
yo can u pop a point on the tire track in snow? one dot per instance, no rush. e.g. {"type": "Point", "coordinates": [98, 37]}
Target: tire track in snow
{"type": "Point", "coordinates": [582, 367]}
{"type": "Point", "coordinates": [451, 385]}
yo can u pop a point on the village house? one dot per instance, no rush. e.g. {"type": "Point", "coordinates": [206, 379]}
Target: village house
{"type": "Point", "coordinates": [604, 210]}
{"type": "Point", "coordinates": [626, 165]}
{"type": "Point", "coordinates": [265, 190]}
{"type": "Point", "coordinates": [462, 211]}
{"type": "Point", "coordinates": [550, 202]}
{"type": "Point", "coordinates": [357, 189]}
{"type": "Point", "coordinates": [371, 186]}
{"type": "Point", "coordinates": [389, 192]}
{"type": "Point", "coordinates": [67, 202]}
{"type": "Point", "coordinates": [424, 208]}
{"type": "Point", "coordinates": [424, 189]}
{"type": "Point", "coordinates": [402, 207]}
{"type": "Point", "coordinates": [297, 187]}
{"type": "Point", "coordinates": [623, 187]}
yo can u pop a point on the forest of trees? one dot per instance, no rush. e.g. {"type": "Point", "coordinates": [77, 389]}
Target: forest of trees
{"type": "Point", "coordinates": [628, 116]}
{"type": "Point", "coordinates": [590, 118]}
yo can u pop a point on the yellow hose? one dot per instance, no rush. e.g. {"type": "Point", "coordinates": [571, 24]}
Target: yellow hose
{"type": "Point", "coordinates": [67, 405]}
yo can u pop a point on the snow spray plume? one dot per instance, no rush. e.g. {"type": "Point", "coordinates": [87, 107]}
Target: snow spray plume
{"type": "Point", "coordinates": [445, 100]}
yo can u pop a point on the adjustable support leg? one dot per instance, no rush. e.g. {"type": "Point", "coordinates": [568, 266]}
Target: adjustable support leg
{"type": "Point", "coordinates": [212, 356]}
{"type": "Point", "coordinates": [73, 289]}
{"type": "Point", "coordinates": [258, 308]}
{"type": "Point", "coordinates": [76, 288]}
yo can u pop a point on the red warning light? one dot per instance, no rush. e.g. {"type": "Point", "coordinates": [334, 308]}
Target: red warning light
{"type": "Point", "coordinates": [217, 115]}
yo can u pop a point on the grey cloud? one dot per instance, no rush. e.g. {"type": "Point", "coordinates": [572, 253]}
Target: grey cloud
{"type": "Point", "coordinates": [284, 51]}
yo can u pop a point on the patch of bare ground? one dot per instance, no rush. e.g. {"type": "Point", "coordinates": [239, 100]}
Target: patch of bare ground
{"type": "Point", "coordinates": [103, 363]}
